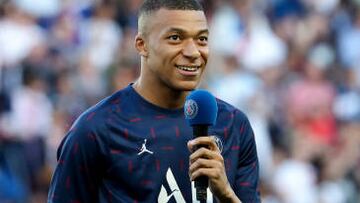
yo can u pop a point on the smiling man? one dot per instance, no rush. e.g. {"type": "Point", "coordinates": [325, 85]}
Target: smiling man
{"type": "Point", "coordinates": [173, 44]}
{"type": "Point", "coordinates": [135, 146]}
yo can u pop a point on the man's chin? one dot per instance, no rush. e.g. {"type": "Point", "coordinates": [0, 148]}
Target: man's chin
{"type": "Point", "coordinates": [187, 86]}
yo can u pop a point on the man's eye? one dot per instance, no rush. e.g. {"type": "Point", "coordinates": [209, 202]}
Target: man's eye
{"type": "Point", "coordinates": [174, 37]}
{"type": "Point", "coordinates": [203, 39]}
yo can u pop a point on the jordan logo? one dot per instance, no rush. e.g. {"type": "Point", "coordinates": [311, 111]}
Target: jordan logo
{"type": "Point", "coordinates": [144, 149]}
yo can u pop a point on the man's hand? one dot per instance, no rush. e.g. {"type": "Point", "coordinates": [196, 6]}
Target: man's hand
{"type": "Point", "coordinates": [209, 162]}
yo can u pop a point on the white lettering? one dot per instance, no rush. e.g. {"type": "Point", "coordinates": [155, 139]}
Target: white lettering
{"type": "Point", "coordinates": [164, 197]}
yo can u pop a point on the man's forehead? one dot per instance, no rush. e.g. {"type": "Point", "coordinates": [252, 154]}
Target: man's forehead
{"type": "Point", "coordinates": [185, 30]}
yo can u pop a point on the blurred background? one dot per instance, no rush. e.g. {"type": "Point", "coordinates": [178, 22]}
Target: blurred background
{"type": "Point", "coordinates": [293, 66]}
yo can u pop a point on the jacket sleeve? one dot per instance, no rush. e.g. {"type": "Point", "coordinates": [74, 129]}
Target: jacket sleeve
{"type": "Point", "coordinates": [247, 175]}
{"type": "Point", "coordinates": [80, 166]}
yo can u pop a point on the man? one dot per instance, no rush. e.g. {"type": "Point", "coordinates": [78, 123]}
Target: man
{"type": "Point", "coordinates": [135, 145]}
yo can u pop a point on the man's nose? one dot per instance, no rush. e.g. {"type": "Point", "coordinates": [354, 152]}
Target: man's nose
{"type": "Point", "coordinates": [191, 50]}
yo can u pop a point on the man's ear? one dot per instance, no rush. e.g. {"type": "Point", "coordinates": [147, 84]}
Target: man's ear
{"type": "Point", "coordinates": [141, 45]}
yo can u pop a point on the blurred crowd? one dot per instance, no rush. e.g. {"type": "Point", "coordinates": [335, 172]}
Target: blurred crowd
{"type": "Point", "coordinates": [293, 66]}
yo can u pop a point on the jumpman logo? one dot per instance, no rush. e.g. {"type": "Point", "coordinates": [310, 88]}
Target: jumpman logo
{"type": "Point", "coordinates": [144, 149]}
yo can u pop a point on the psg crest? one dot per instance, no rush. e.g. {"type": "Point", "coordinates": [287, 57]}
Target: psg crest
{"type": "Point", "coordinates": [191, 109]}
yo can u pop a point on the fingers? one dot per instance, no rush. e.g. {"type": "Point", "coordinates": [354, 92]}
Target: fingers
{"type": "Point", "coordinates": [208, 141]}
{"type": "Point", "coordinates": [205, 167]}
{"type": "Point", "coordinates": [208, 161]}
{"type": "Point", "coordinates": [211, 173]}
{"type": "Point", "coordinates": [205, 153]}
{"type": "Point", "coordinates": [205, 161]}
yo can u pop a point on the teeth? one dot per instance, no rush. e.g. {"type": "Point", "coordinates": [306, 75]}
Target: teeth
{"type": "Point", "coordinates": [188, 68]}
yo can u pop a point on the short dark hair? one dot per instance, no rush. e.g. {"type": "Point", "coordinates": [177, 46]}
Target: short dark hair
{"type": "Point", "coordinates": [150, 6]}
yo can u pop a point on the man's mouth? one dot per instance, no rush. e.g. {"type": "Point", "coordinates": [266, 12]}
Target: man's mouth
{"type": "Point", "coordinates": [188, 68]}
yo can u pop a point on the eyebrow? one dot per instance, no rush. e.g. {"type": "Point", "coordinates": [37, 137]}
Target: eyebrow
{"type": "Point", "coordinates": [182, 31]}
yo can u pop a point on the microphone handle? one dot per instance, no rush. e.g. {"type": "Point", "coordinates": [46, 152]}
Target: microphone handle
{"type": "Point", "coordinates": [201, 183]}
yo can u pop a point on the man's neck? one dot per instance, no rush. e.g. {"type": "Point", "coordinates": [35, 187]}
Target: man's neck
{"type": "Point", "coordinates": [161, 95]}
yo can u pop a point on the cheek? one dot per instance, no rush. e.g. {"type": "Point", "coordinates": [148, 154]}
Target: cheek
{"type": "Point", "coordinates": [205, 53]}
{"type": "Point", "coordinates": [160, 50]}
{"type": "Point", "coordinates": [168, 54]}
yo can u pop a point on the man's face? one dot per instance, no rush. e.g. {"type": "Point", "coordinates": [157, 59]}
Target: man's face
{"type": "Point", "coordinates": [176, 44]}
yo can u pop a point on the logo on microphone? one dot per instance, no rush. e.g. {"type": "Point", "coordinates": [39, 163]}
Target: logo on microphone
{"type": "Point", "coordinates": [191, 109]}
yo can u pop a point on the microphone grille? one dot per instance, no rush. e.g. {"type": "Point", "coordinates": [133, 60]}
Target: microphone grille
{"type": "Point", "coordinates": [200, 108]}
